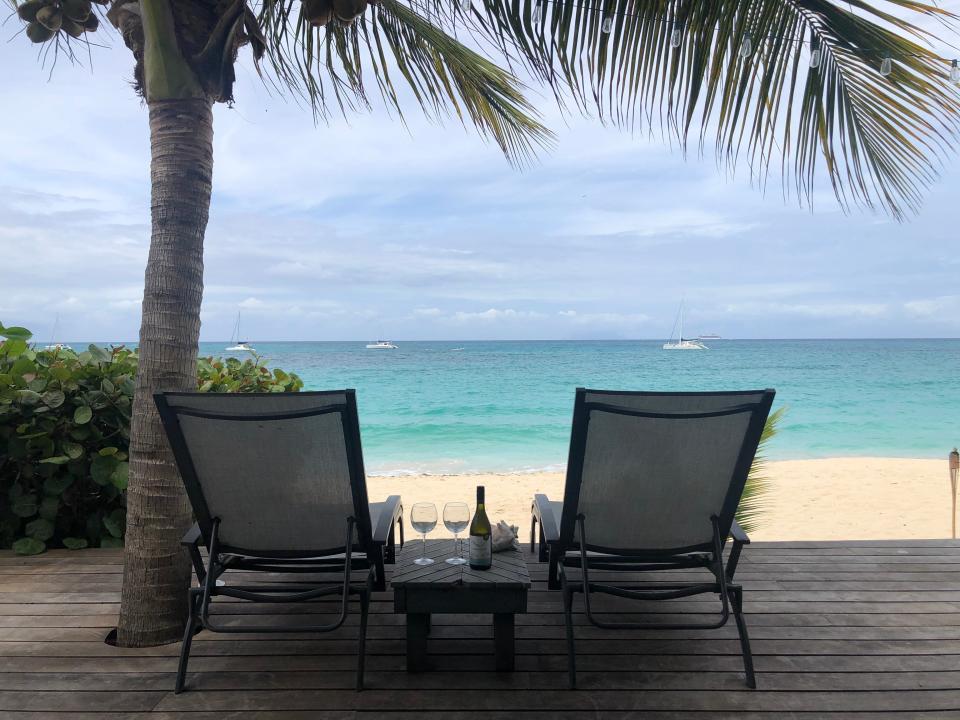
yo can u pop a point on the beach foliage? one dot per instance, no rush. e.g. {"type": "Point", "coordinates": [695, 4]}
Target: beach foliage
{"type": "Point", "coordinates": [755, 493]}
{"type": "Point", "coordinates": [65, 433]}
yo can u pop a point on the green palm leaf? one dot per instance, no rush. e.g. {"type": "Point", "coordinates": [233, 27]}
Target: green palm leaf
{"type": "Point", "coordinates": [877, 140]}
{"type": "Point", "coordinates": [756, 491]}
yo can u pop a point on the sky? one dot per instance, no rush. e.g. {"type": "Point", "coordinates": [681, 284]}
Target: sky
{"type": "Point", "coordinates": [365, 228]}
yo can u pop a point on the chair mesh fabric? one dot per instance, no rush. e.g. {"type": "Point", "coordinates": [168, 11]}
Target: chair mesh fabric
{"type": "Point", "coordinates": [276, 485]}
{"type": "Point", "coordinates": [654, 483]}
{"type": "Point", "coordinates": [254, 403]}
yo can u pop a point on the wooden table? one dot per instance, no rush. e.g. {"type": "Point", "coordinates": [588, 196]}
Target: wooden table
{"type": "Point", "coordinates": [422, 590]}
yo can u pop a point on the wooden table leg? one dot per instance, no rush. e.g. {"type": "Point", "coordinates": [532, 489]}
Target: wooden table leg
{"type": "Point", "coordinates": [503, 636]}
{"type": "Point", "coordinates": [418, 627]}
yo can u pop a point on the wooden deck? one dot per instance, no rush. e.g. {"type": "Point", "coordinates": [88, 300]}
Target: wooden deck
{"type": "Point", "coordinates": [868, 629]}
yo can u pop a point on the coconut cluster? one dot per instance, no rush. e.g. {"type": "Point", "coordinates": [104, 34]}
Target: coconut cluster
{"type": "Point", "coordinates": [321, 12]}
{"type": "Point", "coordinates": [46, 18]}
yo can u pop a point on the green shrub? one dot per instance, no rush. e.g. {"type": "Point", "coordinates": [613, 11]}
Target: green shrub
{"type": "Point", "coordinates": [65, 432]}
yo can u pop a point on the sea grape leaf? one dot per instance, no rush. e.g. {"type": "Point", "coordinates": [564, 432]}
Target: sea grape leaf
{"type": "Point", "coordinates": [40, 529]}
{"type": "Point", "coordinates": [28, 546]}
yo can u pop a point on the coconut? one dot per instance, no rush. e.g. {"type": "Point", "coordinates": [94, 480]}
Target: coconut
{"type": "Point", "coordinates": [348, 10]}
{"type": "Point", "coordinates": [39, 33]}
{"type": "Point", "coordinates": [28, 10]}
{"type": "Point", "coordinates": [78, 10]}
{"type": "Point", "coordinates": [91, 23]}
{"type": "Point", "coordinates": [50, 17]}
{"type": "Point", "coordinates": [72, 27]}
{"type": "Point", "coordinates": [318, 12]}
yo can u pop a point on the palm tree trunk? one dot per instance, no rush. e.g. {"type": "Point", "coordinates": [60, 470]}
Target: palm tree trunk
{"type": "Point", "coordinates": [156, 571]}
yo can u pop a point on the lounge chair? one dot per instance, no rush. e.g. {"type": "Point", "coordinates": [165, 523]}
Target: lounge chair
{"type": "Point", "coordinates": [653, 483]}
{"type": "Point", "coordinates": [277, 485]}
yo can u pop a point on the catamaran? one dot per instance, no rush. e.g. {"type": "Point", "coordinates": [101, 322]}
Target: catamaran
{"type": "Point", "coordinates": [54, 345]}
{"type": "Point", "coordinates": [381, 345]}
{"type": "Point", "coordinates": [238, 344]}
{"type": "Point", "coordinates": [683, 343]}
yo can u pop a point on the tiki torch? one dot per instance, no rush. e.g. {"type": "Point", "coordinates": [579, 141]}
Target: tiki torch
{"type": "Point", "coordinates": [954, 469]}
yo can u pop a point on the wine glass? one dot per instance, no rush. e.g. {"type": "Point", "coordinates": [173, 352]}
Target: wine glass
{"type": "Point", "coordinates": [423, 518]}
{"type": "Point", "coordinates": [456, 517]}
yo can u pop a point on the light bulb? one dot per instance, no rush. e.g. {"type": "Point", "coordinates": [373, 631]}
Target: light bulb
{"type": "Point", "coordinates": [607, 25]}
{"type": "Point", "coordinates": [537, 13]}
{"type": "Point", "coordinates": [815, 58]}
{"type": "Point", "coordinates": [886, 67]}
{"type": "Point", "coordinates": [954, 73]}
{"type": "Point", "coordinates": [746, 47]}
{"type": "Point", "coordinates": [676, 37]}
{"type": "Point", "coordinates": [466, 5]}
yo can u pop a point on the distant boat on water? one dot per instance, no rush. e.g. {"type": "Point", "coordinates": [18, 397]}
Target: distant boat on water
{"type": "Point", "coordinates": [681, 342]}
{"type": "Point", "coordinates": [381, 345]}
{"type": "Point", "coordinates": [54, 345]}
{"type": "Point", "coordinates": [238, 345]}
{"type": "Point", "coordinates": [709, 336]}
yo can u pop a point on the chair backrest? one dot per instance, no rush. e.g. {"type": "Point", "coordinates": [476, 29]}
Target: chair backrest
{"type": "Point", "coordinates": [281, 471]}
{"type": "Point", "coordinates": [649, 471]}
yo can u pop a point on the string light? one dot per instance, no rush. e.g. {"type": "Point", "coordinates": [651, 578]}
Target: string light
{"type": "Point", "coordinates": [466, 5]}
{"type": "Point", "coordinates": [607, 25]}
{"type": "Point", "coordinates": [886, 67]}
{"type": "Point", "coordinates": [676, 37]}
{"type": "Point", "coordinates": [814, 54]}
{"type": "Point", "coordinates": [954, 73]}
{"type": "Point", "coordinates": [537, 13]}
{"type": "Point", "coordinates": [746, 47]}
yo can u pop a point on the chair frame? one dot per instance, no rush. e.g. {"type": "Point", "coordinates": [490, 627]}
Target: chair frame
{"type": "Point", "coordinates": [560, 549]}
{"type": "Point", "coordinates": [376, 544]}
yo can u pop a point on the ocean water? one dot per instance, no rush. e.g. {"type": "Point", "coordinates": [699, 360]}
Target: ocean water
{"type": "Point", "coordinates": [443, 407]}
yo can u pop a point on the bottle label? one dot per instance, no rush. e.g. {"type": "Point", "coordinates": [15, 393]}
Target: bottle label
{"type": "Point", "coordinates": [481, 551]}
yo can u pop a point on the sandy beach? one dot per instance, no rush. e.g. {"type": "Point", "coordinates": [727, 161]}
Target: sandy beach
{"type": "Point", "coordinates": [862, 498]}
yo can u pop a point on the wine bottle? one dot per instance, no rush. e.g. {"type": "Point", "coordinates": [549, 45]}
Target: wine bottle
{"type": "Point", "coordinates": [481, 540]}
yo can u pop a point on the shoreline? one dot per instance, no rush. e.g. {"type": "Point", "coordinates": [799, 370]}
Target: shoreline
{"type": "Point", "coordinates": [837, 498]}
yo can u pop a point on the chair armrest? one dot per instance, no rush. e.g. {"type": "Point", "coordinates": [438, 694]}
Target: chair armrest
{"type": "Point", "coordinates": [391, 513]}
{"type": "Point", "coordinates": [192, 537]}
{"type": "Point", "coordinates": [548, 525]}
{"type": "Point", "coordinates": [738, 534]}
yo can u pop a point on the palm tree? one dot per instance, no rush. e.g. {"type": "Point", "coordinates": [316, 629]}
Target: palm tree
{"type": "Point", "coordinates": [734, 71]}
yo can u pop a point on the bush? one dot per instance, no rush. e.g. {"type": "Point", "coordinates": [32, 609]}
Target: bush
{"type": "Point", "coordinates": [65, 433]}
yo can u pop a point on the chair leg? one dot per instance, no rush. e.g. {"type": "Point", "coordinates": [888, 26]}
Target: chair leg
{"type": "Point", "coordinates": [544, 548]}
{"type": "Point", "coordinates": [381, 581]}
{"type": "Point", "coordinates": [400, 523]}
{"type": "Point", "coordinates": [533, 533]}
{"type": "Point", "coordinates": [362, 642]}
{"type": "Point", "coordinates": [736, 599]}
{"type": "Point", "coordinates": [553, 578]}
{"type": "Point", "coordinates": [571, 649]}
{"type": "Point", "coordinates": [391, 547]}
{"type": "Point", "coordinates": [187, 641]}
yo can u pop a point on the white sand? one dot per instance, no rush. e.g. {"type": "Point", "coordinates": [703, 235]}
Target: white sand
{"type": "Point", "coordinates": [832, 499]}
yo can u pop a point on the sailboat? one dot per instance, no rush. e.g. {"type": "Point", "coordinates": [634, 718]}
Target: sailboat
{"type": "Point", "coordinates": [683, 343]}
{"type": "Point", "coordinates": [54, 345]}
{"type": "Point", "coordinates": [238, 344]}
{"type": "Point", "coordinates": [381, 345]}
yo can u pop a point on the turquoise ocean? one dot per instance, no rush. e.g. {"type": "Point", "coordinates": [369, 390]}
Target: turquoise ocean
{"type": "Point", "coordinates": [460, 407]}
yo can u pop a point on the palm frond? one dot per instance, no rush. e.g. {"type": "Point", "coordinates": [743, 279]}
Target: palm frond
{"type": "Point", "coordinates": [327, 67]}
{"type": "Point", "coordinates": [878, 140]}
{"type": "Point", "coordinates": [756, 491]}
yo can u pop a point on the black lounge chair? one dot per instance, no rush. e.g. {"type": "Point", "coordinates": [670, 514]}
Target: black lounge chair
{"type": "Point", "coordinates": [277, 485]}
{"type": "Point", "coordinates": [653, 483]}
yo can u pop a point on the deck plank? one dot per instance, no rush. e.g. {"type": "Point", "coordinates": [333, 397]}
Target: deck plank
{"type": "Point", "coordinates": [839, 630]}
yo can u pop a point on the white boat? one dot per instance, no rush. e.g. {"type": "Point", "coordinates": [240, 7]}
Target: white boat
{"type": "Point", "coordinates": [54, 345]}
{"type": "Point", "coordinates": [681, 342]}
{"type": "Point", "coordinates": [381, 345]}
{"type": "Point", "coordinates": [238, 344]}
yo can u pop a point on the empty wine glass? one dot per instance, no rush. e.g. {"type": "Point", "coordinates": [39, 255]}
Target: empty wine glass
{"type": "Point", "coordinates": [456, 517]}
{"type": "Point", "coordinates": [423, 518]}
